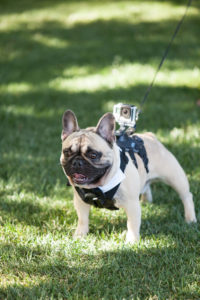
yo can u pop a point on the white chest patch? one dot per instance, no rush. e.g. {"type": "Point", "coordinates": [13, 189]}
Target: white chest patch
{"type": "Point", "coordinates": [117, 178]}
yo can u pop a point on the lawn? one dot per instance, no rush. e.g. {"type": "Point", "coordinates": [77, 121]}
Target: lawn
{"type": "Point", "coordinates": [87, 56]}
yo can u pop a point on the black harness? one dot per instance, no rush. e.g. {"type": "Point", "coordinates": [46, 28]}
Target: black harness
{"type": "Point", "coordinates": [130, 144]}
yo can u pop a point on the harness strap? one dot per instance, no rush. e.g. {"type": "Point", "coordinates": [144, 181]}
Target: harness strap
{"type": "Point", "coordinates": [140, 150]}
{"type": "Point", "coordinates": [134, 144]}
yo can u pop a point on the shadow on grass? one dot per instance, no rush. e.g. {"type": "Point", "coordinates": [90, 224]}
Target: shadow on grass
{"type": "Point", "coordinates": [11, 7]}
{"type": "Point", "coordinates": [94, 45]}
{"type": "Point", "coordinates": [194, 3]}
{"type": "Point", "coordinates": [161, 272]}
{"type": "Point", "coordinates": [45, 108]}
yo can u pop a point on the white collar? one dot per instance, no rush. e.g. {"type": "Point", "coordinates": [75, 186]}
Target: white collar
{"type": "Point", "coordinates": [117, 178]}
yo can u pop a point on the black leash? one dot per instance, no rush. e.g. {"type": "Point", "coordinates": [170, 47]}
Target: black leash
{"type": "Point", "coordinates": [164, 56]}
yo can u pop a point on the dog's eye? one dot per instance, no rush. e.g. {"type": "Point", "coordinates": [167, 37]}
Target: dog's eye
{"type": "Point", "coordinates": [92, 155]}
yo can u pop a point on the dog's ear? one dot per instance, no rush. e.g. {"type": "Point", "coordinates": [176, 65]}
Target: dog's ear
{"type": "Point", "coordinates": [106, 128]}
{"type": "Point", "coordinates": [69, 123]}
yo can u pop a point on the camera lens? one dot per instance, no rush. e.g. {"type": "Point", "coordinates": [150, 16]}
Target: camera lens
{"type": "Point", "coordinates": [125, 112]}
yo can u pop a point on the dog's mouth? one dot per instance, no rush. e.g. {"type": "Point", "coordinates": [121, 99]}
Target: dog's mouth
{"type": "Point", "coordinates": [81, 172]}
{"type": "Point", "coordinates": [79, 178]}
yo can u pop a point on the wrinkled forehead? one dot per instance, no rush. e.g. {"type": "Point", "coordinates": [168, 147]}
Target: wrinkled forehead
{"type": "Point", "coordinates": [82, 140]}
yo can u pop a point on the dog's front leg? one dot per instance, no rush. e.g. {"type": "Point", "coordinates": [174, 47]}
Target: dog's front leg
{"type": "Point", "coordinates": [82, 210]}
{"type": "Point", "coordinates": [133, 212]}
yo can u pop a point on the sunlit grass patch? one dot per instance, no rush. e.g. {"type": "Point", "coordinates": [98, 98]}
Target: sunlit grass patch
{"type": "Point", "coordinates": [51, 42]}
{"type": "Point", "coordinates": [125, 76]}
{"type": "Point", "coordinates": [16, 88]}
{"type": "Point", "coordinates": [187, 135]}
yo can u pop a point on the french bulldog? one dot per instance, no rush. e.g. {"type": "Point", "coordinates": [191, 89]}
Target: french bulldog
{"type": "Point", "coordinates": [90, 158]}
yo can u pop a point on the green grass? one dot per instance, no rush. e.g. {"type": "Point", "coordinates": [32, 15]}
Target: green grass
{"type": "Point", "coordinates": [87, 56]}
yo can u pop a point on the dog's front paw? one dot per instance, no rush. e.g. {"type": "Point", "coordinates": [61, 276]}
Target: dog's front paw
{"type": "Point", "coordinates": [190, 218]}
{"type": "Point", "coordinates": [131, 238]}
{"type": "Point", "coordinates": [80, 232]}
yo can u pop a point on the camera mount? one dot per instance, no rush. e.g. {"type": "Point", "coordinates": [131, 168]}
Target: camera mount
{"type": "Point", "coordinates": [126, 116]}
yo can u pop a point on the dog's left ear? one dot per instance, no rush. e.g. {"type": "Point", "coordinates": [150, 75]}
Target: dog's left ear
{"type": "Point", "coordinates": [106, 128]}
{"type": "Point", "coordinates": [69, 123]}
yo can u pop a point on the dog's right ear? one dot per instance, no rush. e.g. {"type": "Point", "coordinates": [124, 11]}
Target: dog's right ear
{"type": "Point", "coordinates": [69, 123]}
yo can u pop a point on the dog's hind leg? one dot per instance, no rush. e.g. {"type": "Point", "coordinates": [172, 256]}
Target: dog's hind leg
{"type": "Point", "coordinates": [181, 186]}
{"type": "Point", "coordinates": [147, 194]}
{"type": "Point", "coordinates": [174, 175]}
{"type": "Point", "coordinates": [188, 203]}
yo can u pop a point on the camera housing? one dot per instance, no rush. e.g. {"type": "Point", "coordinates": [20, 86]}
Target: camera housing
{"type": "Point", "coordinates": [125, 115]}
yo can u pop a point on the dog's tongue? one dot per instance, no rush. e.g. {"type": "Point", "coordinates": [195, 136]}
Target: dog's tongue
{"type": "Point", "coordinates": [79, 176]}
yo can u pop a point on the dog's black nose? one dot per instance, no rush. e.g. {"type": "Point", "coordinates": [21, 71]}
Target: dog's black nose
{"type": "Point", "coordinates": [77, 163]}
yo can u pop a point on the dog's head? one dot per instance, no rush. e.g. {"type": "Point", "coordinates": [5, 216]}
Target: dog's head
{"type": "Point", "coordinates": [87, 154]}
